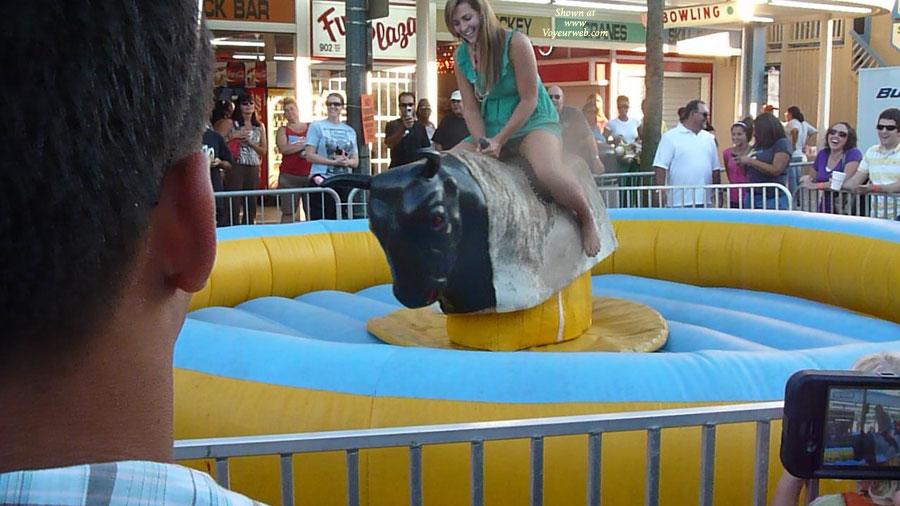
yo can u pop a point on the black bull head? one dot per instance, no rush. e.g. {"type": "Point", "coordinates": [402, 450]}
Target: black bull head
{"type": "Point", "coordinates": [431, 220]}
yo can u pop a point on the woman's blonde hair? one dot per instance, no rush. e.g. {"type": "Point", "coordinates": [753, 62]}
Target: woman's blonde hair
{"type": "Point", "coordinates": [491, 39]}
{"type": "Point", "coordinates": [288, 101]}
{"type": "Point", "coordinates": [881, 491]}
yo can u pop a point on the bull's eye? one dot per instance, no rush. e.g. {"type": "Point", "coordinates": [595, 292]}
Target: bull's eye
{"type": "Point", "coordinates": [437, 221]}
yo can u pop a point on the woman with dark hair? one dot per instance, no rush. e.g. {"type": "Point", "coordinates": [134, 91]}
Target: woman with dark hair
{"type": "Point", "coordinates": [423, 116]}
{"type": "Point", "coordinates": [767, 163]}
{"type": "Point", "coordinates": [839, 155]}
{"type": "Point", "coordinates": [800, 132]}
{"type": "Point", "coordinates": [244, 175]}
{"type": "Point", "coordinates": [507, 108]}
{"type": "Point", "coordinates": [741, 133]}
{"type": "Point", "coordinates": [220, 119]}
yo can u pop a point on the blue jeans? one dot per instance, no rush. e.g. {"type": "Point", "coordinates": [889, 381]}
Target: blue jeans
{"type": "Point", "coordinates": [756, 201]}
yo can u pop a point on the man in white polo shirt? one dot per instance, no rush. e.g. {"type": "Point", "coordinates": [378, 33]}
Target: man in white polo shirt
{"type": "Point", "coordinates": [881, 165]}
{"type": "Point", "coordinates": [687, 156]}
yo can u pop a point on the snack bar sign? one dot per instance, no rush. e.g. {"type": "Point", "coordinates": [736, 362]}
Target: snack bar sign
{"type": "Point", "coordinates": [393, 37]}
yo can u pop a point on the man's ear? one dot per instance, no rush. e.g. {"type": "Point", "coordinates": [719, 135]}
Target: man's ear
{"type": "Point", "coordinates": [183, 227]}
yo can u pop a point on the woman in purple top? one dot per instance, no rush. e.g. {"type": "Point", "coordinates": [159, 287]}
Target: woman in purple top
{"type": "Point", "coordinates": [741, 133]}
{"type": "Point", "coordinates": [840, 155]}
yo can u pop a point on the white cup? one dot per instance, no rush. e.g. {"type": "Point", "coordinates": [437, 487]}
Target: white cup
{"type": "Point", "coordinates": [837, 180]}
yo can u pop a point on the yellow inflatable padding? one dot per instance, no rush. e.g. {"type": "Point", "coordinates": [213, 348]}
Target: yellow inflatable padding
{"type": "Point", "coordinates": [857, 273]}
{"type": "Point", "coordinates": [320, 479]}
{"type": "Point", "coordinates": [288, 266]}
{"type": "Point", "coordinates": [564, 316]}
{"type": "Point", "coordinates": [616, 325]}
{"type": "Point", "coordinates": [853, 272]}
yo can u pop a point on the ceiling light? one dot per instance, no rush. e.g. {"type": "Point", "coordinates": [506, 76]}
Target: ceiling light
{"type": "Point", "coordinates": [246, 56]}
{"type": "Point", "coordinates": [238, 43]}
{"type": "Point", "coordinates": [280, 57]}
{"type": "Point", "coordinates": [760, 19]}
{"type": "Point", "coordinates": [818, 6]}
{"type": "Point", "coordinates": [542, 2]}
{"type": "Point", "coordinates": [602, 6]}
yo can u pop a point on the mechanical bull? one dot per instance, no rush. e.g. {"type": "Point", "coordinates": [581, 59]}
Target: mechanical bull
{"type": "Point", "coordinates": [471, 233]}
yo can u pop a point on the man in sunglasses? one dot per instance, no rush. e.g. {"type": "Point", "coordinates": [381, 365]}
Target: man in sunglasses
{"type": "Point", "coordinates": [577, 136]}
{"type": "Point", "coordinates": [404, 135]}
{"type": "Point", "coordinates": [881, 165]}
{"type": "Point", "coordinates": [687, 156]}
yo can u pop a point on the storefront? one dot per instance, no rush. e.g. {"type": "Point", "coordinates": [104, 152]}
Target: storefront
{"type": "Point", "coordinates": [587, 51]}
{"type": "Point", "coordinates": [255, 46]}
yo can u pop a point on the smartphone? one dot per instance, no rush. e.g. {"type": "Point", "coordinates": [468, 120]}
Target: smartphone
{"type": "Point", "coordinates": [842, 424]}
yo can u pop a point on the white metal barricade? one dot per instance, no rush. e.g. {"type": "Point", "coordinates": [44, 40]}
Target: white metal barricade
{"type": "Point", "coordinates": [592, 427]}
{"type": "Point", "coordinates": [240, 207]}
{"type": "Point", "coordinates": [750, 196]}
{"type": "Point", "coordinates": [884, 206]}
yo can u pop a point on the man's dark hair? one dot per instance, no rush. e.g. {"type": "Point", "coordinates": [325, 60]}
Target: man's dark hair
{"type": "Point", "coordinates": [891, 114]}
{"type": "Point", "coordinates": [795, 113]}
{"type": "Point", "coordinates": [767, 130]}
{"type": "Point", "coordinates": [690, 108]}
{"type": "Point", "coordinates": [406, 94]}
{"type": "Point", "coordinates": [101, 98]}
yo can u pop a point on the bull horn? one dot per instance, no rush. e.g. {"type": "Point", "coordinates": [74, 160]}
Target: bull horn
{"type": "Point", "coordinates": [433, 161]}
{"type": "Point", "coordinates": [362, 181]}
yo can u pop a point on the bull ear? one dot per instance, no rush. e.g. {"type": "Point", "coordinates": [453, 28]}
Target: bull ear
{"type": "Point", "coordinates": [361, 181]}
{"type": "Point", "coordinates": [432, 162]}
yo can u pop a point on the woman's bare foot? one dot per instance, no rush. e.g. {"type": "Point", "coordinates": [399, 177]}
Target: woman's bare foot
{"type": "Point", "coordinates": [590, 240]}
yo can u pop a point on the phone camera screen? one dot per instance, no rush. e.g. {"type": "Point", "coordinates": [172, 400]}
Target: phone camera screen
{"type": "Point", "coordinates": [862, 428]}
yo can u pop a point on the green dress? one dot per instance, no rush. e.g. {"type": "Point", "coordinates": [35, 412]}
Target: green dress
{"type": "Point", "coordinates": [497, 106]}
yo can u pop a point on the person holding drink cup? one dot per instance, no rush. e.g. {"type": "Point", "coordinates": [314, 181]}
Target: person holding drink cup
{"type": "Point", "coordinates": [834, 165]}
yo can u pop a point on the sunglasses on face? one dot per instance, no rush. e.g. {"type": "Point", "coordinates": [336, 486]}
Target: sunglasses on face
{"type": "Point", "coordinates": [455, 101]}
{"type": "Point", "coordinates": [889, 128]}
{"type": "Point", "coordinates": [555, 97]}
{"type": "Point", "coordinates": [335, 104]}
{"type": "Point", "coordinates": [408, 106]}
{"type": "Point", "coordinates": [840, 134]}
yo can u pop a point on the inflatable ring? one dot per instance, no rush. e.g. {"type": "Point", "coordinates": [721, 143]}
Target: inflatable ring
{"type": "Point", "coordinates": [277, 343]}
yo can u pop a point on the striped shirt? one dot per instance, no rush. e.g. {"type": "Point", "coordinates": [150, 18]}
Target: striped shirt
{"type": "Point", "coordinates": [127, 482]}
{"type": "Point", "coordinates": [883, 167]}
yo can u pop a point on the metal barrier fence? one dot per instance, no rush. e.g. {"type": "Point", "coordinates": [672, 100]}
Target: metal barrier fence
{"type": "Point", "coordinates": [745, 196]}
{"type": "Point", "coordinates": [873, 205]}
{"type": "Point", "coordinates": [235, 207]}
{"type": "Point", "coordinates": [593, 427]}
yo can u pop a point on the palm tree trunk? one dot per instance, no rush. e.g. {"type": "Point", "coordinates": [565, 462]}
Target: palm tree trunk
{"type": "Point", "coordinates": [653, 82]}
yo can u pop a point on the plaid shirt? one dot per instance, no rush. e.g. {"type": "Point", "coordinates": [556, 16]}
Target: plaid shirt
{"type": "Point", "coordinates": [129, 482]}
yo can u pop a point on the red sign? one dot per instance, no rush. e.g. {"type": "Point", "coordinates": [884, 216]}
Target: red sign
{"type": "Point", "coordinates": [367, 108]}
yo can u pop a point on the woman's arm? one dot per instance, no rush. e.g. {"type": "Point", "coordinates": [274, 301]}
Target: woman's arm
{"type": "Point", "coordinates": [471, 109]}
{"type": "Point", "coordinates": [521, 56]}
{"type": "Point", "coordinates": [776, 168]}
{"type": "Point", "coordinates": [261, 146]}
{"type": "Point", "coordinates": [311, 155]}
{"type": "Point", "coordinates": [284, 146]}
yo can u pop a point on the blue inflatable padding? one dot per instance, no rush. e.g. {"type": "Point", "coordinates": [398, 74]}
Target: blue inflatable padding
{"type": "Point", "coordinates": [766, 331]}
{"type": "Point", "coordinates": [381, 293]}
{"type": "Point", "coordinates": [684, 337]}
{"type": "Point", "coordinates": [500, 377]}
{"type": "Point", "coordinates": [346, 225]}
{"type": "Point", "coordinates": [248, 231]}
{"type": "Point", "coordinates": [811, 317]}
{"type": "Point", "coordinates": [278, 359]}
{"type": "Point", "coordinates": [236, 318]}
{"type": "Point", "coordinates": [885, 230]}
{"type": "Point", "coordinates": [313, 321]}
{"type": "Point", "coordinates": [348, 304]}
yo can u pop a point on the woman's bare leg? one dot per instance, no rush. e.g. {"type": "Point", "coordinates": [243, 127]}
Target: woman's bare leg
{"type": "Point", "coordinates": [543, 150]}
